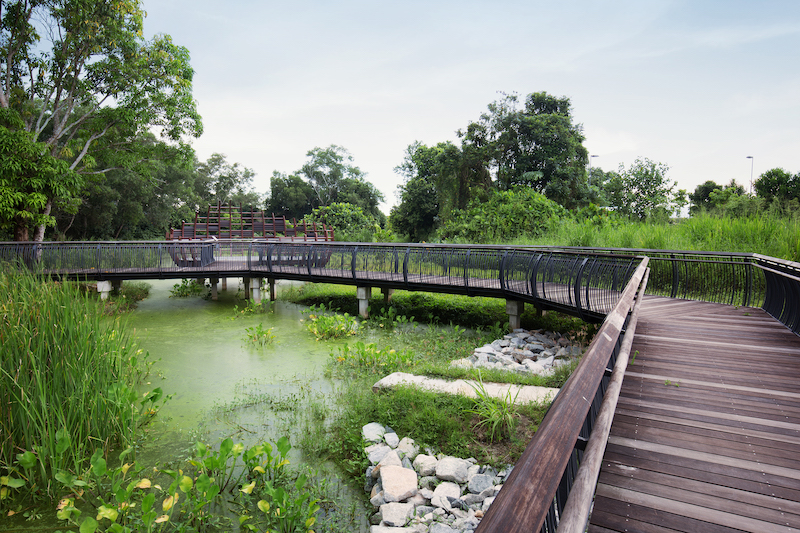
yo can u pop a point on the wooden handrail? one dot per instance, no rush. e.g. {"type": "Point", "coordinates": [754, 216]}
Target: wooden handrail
{"type": "Point", "coordinates": [575, 516]}
{"type": "Point", "coordinates": [525, 499]}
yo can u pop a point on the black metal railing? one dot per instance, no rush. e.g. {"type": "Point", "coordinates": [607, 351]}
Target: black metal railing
{"type": "Point", "coordinates": [782, 299]}
{"type": "Point", "coordinates": [583, 284]}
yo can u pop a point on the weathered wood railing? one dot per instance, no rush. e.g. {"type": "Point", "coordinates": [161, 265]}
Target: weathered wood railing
{"type": "Point", "coordinates": [534, 495]}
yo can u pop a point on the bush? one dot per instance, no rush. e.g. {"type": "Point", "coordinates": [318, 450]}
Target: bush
{"type": "Point", "coordinates": [504, 216]}
{"type": "Point", "coordinates": [349, 222]}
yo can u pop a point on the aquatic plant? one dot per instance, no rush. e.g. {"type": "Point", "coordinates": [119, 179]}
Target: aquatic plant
{"type": "Point", "coordinates": [370, 357]}
{"type": "Point", "coordinates": [67, 377]}
{"type": "Point", "coordinates": [330, 326]}
{"type": "Point", "coordinates": [259, 335]}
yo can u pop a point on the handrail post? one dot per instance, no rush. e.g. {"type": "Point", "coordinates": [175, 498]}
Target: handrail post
{"type": "Point", "coordinates": [353, 262]}
{"type": "Point", "coordinates": [577, 288]}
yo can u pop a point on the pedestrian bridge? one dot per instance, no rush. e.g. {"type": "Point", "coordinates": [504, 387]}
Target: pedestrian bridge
{"type": "Point", "coordinates": [683, 415]}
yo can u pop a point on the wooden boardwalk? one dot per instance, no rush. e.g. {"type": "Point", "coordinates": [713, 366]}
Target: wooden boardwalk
{"type": "Point", "coordinates": [706, 435]}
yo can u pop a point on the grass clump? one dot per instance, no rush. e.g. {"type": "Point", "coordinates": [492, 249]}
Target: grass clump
{"type": "Point", "coordinates": [324, 325]}
{"type": "Point", "coordinates": [67, 383]}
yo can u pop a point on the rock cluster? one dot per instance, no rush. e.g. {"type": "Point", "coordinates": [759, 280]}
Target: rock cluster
{"type": "Point", "coordinates": [535, 352]}
{"type": "Point", "coordinates": [422, 492]}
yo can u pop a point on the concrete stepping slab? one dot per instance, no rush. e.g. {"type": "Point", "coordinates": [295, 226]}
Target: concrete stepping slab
{"type": "Point", "coordinates": [527, 393]}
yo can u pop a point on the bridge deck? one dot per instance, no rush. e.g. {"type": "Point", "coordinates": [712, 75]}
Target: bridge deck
{"type": "Point", "coordinates": [706, 435]}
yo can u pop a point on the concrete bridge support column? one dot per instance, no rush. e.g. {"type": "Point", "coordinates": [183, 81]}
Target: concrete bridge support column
{"type": "Point", "coordinates": [224, 284]}
{"type": "Point", "coordinates": [104, 288]}
{"type": "Point", "coordinates": [514, 309]}
{"type": "Point", "coordinates": [116, 285]}
{"type": "Point", "coordinates": [246, 282]}
{"type": "Point", "coordinates": [256, 282]}
{"type": "Point", "coordinates": [214, 293]}
{"type": "Point", "coordinates": [272, 294]}
{"type": "Point", "coordinates": [387, 294]}
{"type": "Point", "coordinates": [363, 294]}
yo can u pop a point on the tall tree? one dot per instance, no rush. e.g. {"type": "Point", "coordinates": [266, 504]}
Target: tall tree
{"type": "Point", "coordinates": [291, 196]}
{"type": "Point", "coordinates": [700, 197]}
{"type": "Point", "coordinates": [219, 181]}
{"type": "Point", "coordinates": [778, 184]}
{"type": "Point", "coordinates": [85, 82]}
{"type": "Point", "coordinates": [536, 145]}
{"type": "Point", "coordinates": [334, 178]}
{"type": "Point", "coordinates": [646, 191]}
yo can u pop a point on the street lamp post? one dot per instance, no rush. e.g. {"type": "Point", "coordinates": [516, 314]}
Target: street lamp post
{"type": "Point", "coordinates": [750, 157]}
{"type": "Point", "coordinates": [590, 167]}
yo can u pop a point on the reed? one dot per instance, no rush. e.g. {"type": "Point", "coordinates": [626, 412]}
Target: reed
{"type": "Point", "coordinates": [67, 376]}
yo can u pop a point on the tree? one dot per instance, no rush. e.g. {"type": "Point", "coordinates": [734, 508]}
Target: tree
{"type": "Point", "coordinates": [218, 181]}
{"type": "Point", "coordinates": [91, 87]}
{"type": "Point", "coordinates": [290, 196]}
{"type": "Point", "coordinates": [700, 197]}
{"type": "Point", "coordinates": [778, 184]}
{"type": "Point", "coordinates": [29, 178]}
{"type": "Point", "coordinates": [334, 179]}
{"type": "Point", "coordinates": [418, 211]}
{"type": "Point", "coordinates": [536, 146]}
{"type": "Point", "coordinates": [645, 190]}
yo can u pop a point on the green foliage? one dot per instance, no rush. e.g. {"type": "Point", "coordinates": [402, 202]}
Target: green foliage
{"type": "Point", "coordinates": [259, 335]}
{"type": "Point", "coordinates": [504, 216]}
{"type": "Point", "coordinates": [290, 196]}
{"type": "Point", "coordinates": [29, 178]}
{"type": "Point", "coordinates": [778, 184]}
{"type": "Point", "coordinates": [495, 414]}
{"type": "Point", "coordinates": [417, 213]}
{"type": "Point", "coordinates": [288, 512]}
{"type": "Point", "coordinates": [331, 326]}
{"type": "Point", "coordinates": [67, 381]}
{"type": "Point", "coordinates": [349, 222]}
{"type": "Point", "coordinates": [187, 288]}
{"type": "Point", "coordinates": [370, 358]}
{"type": "Point", "coordinates": [91, 87]}
{"type": "Point", "coordinates": [646, 192]}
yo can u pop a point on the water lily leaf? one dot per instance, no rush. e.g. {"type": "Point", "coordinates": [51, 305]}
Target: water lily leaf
{"type": "Point", "coordinates": [203, 483]}
{"type": "Point", "coordinates": [263, 505]}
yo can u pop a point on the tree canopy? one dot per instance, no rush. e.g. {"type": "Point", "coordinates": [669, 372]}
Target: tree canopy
{"type": "Point", "coordinates": [87, 85]}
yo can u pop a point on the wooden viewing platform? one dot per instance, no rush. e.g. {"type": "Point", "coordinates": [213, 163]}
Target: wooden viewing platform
{"type": "Point", "coordinates": [706, 433]}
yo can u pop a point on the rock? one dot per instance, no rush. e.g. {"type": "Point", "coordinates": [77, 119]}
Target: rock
{"type": "Point", "coordinates": [377, 500]}
{"type": "Point", "coordinates": [486, 503]}
{"type": "Point", "coordinates": [396, 514]}
{"type": "Point", "coordinates": [487, 348]}
{"type": "Point", "coordinates": [373, 432]}
{"type": "Point", "coordinates": [458, 503]}
{"type": "Point", "coordinates": [408, 448]}
{"type": "Point", "coordinates": [425, 464]}
{"type": "Point", "coordinates": [389, 529]}
{"type": "Point", "coordinates": [480, 483]}
{"type": "Point", "coordinates": [422, 510]}
{"type": "Point", "coordinates": [472, 499]}
{"type": "Point", "coordinates": [391, 439]}
{"type": "Point", "coordinates": [391, 459]}
{"type": "Point", "coordinates": [438, 527]}
{"type": "Point", "coordinates": [407, 464]}
{"type": "Point", "coordinates": [398, 483]}
{"type": "Point", "coordinates": [442, 492]}
{"type": "Point", "coordinates": [377, 452]}
{"type": "Point", "coordinates": [452, 469]}
{"type": "Point", "coordinates": [428, 483]}
{"type": "Point", "coordinates": [416, 500]}
{"type": "Point", "coordinates": [461, 363]}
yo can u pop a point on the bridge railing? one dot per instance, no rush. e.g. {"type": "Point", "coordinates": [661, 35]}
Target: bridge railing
{"type": "Point", "coordinates": [534, 496]}
{"type": "Point", "coordinates": [782, 299]}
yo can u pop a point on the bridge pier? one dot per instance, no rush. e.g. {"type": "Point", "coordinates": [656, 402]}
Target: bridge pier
{"type": "Point", "coordinates": [272, 295]}
{"type": "Point", "coordinates": [246, 282]}
{"type": "Point", "coordinates": [387, 294]}
{"type": "Point", "coordinates": [514, 308]}
{"type": "Point", "coordinates": [214, 293]}
{"type": "Point", "coordinates": [256, 283]}
{"type": "Point", "coordinates": [225, 284]}
{"type": "Point", "coordinates": [104, 288]}
{"type": "Point", "coordinates": [363, 294]}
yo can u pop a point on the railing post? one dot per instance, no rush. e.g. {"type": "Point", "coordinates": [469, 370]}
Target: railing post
{"type": "Point", "coordinates": [674, 291]}
{"type": "Point", "coordinates": [405, 266]}
{"type": "Point", "coordinates": [577, 289]}
{"type": "Point", "coordinates": [502, 271]}
{"type": "Point", "coordinates": [353, 262]}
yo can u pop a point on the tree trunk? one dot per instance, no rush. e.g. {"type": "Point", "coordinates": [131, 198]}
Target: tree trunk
{"type": "Point", "coordinates": [38, 234]}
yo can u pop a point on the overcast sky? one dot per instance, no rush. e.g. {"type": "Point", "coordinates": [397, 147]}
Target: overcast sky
{"type": "Point", "coordinates": [698, 85]}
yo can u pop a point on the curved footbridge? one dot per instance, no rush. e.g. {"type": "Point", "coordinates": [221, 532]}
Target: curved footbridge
{"type": "Point", "coordinates": [683, 415]}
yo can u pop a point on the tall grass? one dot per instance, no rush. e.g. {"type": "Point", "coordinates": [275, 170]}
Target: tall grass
{"type": "Point", "coordinates": [67, 377]}
{"type": "Point", "coordinates": [766, 234]}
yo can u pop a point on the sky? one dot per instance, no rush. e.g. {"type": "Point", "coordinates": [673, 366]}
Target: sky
{"type": "Point", "coordinates": [698, 85]}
